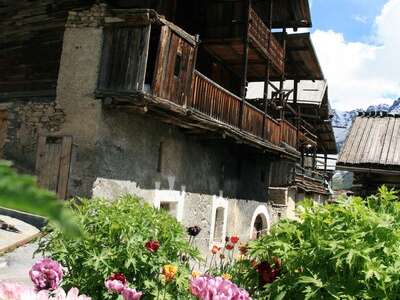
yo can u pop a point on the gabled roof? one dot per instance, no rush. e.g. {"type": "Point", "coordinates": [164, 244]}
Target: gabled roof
{"type": "Point", "coordinates": [372, 143]}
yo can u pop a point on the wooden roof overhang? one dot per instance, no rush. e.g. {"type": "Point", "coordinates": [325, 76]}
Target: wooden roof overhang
{"type": "Point", "coordinates": [231, 51]}
{"type": "Point", "coordinates": [285, 13]}
{"type": "Point", "coordinates": [301, 59]}
{"type": "Point", "coordinates": [372, 145]}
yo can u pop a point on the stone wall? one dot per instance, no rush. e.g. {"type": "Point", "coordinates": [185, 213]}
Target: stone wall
{"type": "Point", "coordinates": [25, 122]}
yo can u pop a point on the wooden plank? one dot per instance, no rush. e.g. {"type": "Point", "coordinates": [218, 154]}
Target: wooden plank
{"type": "Point", "coordinates": [388, 140]}
{"type": "Point", "coordinates": [161, 61]}
{"type": "Point", "coordinates": [349, 141]}
{"type": "Point", "coordinates": [376, 140]}
{"type": "Point", "coordinates": [40, 158]}
{"type": "Point", "coordinates": [394, 152]}
{"type": "Point", "coordinates": [65, 161]}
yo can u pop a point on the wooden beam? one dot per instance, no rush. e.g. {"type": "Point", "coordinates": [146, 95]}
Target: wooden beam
{"type": "Point", "coordinates": [243, 91]}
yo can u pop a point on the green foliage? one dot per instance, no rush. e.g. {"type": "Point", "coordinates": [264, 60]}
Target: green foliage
{"type": "Point", "coordinates": [113, 240]}
{"type": "Point", "coordinates": [349, 250]}
{"type": "Point", "coordinates": [20, 192]}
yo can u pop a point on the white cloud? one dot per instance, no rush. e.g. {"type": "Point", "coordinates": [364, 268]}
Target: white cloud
{"type": "Point", "coordinates": [361, 19]}
{"type": "Point", "coordinates": [360, 74]}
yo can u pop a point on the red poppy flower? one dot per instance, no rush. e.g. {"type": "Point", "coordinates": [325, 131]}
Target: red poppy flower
{"type": "Point", "coordinates": [234, 239]}
{"type": "Point", "coordinates": [229, 247]}
{"type": "Point", "coordinates": [152, 246]}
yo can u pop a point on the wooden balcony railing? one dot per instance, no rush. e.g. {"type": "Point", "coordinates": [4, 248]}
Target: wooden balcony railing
{"type": "Point", "coordinates": [307, 137]}
{"type": "Point", "coordinates": [216, 102]}
{"type": "Point", "coordinates": [261, 35]}
{"type": "Point", "coordinates": [252, 121]}
{"type": "Point", "coordinates": [289, 133]}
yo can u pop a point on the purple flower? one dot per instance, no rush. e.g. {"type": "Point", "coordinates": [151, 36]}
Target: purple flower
{"type": "Point", "coordinates": [131, 294]}
{"type": "Point", "coordinates": [46, 274]}
{"type": "Point", "coordinates": [210, 288]}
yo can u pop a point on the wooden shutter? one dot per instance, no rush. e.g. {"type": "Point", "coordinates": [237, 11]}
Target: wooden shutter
{"type": "Point", "coordinates": [174, 67]}
{"type": "Point", "coordinates": [124, 58]}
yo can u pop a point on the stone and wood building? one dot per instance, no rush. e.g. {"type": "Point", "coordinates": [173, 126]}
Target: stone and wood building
{"type": "Point", "coordinates": [372, 152]}
{"type": "Point", "coordinates": [103, 98]}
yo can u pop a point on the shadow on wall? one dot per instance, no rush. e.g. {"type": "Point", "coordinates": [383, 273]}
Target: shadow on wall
{"type": "Point", "coordinates": [154, 155]}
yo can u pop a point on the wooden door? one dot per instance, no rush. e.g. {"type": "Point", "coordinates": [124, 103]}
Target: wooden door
{"type": "Point", "coordinates": [174, 67]}
{"type": "Point", "coordinates": [53, 162]}
{"type": "Point", "coordinates": [3, 130]}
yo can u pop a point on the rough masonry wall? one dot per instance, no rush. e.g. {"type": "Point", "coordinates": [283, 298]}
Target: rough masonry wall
{"type": "Point", "coordinates": [25, 122]}
{"type": "Point", "coordinates": [141, 148]}
{"type": "Point", "coordinates": [77, 82]}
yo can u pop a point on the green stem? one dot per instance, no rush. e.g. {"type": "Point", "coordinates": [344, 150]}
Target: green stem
{"type": "Point", "coordinates": [165, 291]}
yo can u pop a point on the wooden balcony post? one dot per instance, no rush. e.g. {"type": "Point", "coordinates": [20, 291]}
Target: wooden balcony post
{"type": "Point", "coordinates": [281, 98]}
{"type": "Point", "coordinates": [266, 83]}
{"type": "Point", "coordinates": [325, 162]}
{"type": "Point", "coordinates": [297, 106]}
{"type": "Point", "coordinates": [314, 158]}
{"type": "Point", "coordinates": [246, 41]}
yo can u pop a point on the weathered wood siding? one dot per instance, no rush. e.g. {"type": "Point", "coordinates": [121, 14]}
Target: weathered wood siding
{"type": "Point", "coordinates": [174, 68]}
{"type": "Point", "coordinates": [31, 37]}
{"type": "Point", "coordinates": [124, 58]}
{"type": "Point", "coordinates": [372, 141]}
{"type": "Point", "coordinates": [53, 163]}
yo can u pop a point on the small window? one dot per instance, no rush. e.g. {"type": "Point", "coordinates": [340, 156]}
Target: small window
{"type": "Point", "coordinates": [219, 225]}
{"type": "Point", "coordinates": [178, 62]}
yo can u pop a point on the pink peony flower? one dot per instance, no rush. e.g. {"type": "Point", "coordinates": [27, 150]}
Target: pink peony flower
{"type": "Point", "coordinates": [218, 288]}
{"type": "Point", "coordinates": [131, 294]}
{"type": "Point", "coordinates": [46, 274]}
{"type": "Point", "coordinates": [15, 291]}
{"type": "Point", "coordinates": [198, 286]}
{"type": "Point", "coordinates": [12, 291]}
{"type": "Point", "coordinates": [116, 283]}
{"type": "Point", "coordinates": [73, 294]}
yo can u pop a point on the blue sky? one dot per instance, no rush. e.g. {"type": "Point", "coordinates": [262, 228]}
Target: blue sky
{"type": "Point", "coordinates": [357, 43]}
{"type": "Point", "coordinates": [353, 18]}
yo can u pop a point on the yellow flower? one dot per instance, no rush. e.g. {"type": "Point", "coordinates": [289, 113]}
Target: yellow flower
{"type": "Point", "coordinates": [226, 276]}
{"type": "Point", "coordinates": [169, 271]}
{"type": "Point", "coordinates": [195, 274]}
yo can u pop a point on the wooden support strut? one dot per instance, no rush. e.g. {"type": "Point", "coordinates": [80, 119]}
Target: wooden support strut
{"type": "Point", "coordinates": [295, 96]}
{"type": "Point", "coordinates": [245, 62]}
{"type": "Point", "coordinates": [267, 71]}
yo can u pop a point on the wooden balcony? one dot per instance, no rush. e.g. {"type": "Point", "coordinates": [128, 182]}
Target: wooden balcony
{"type": "Point", "coordinates": [311, 181]}
{"type": "Point", "coordinates": [152, 65]}
{"type": "Point", "coordinates": [221, 105]}
{"type": "Point", "coordinates": [226, 41]}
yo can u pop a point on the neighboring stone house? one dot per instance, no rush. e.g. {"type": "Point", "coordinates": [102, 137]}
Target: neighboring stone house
{"type": "Point", "coordinates": [117, 103]}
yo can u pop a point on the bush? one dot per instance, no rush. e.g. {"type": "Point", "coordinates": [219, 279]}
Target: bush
{"type": "Point", "coordinates": [349, 250]}
{"type": "Point", "coordinates": [113, 240]}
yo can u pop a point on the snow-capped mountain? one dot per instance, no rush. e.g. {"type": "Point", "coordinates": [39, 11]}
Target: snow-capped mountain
{"type": "Point", "coordinates": [342, 120]}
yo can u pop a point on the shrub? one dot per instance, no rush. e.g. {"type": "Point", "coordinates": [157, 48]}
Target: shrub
{"type": "Point", "coordinates": [348, 250]}
{"type": "Point", "coordinates": [122, 236]}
